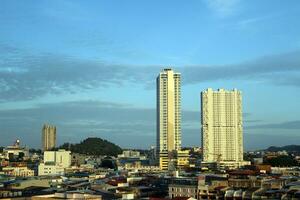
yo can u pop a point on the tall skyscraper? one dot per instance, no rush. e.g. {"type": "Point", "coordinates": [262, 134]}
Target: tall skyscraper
{"type": "Point", "coordinates": [48, 137]}
{"type": "Point", "coordinates": [222, 126]}
{"type": "Point", "coordinates": [168, 115]}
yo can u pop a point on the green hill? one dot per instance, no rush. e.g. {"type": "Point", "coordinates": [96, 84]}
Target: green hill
{"type": "Point", "coordinates": [94, 146]}
{"type": "Point", "coordinates": [288, 148]}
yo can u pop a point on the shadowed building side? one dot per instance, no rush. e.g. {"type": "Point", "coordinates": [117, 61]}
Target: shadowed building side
{"type": "Point", "coordinates": [48, 137]}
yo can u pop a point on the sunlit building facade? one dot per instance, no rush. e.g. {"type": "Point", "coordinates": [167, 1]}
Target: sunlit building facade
{"type": "Point", "coordinates": [222, 126]}
{"type": "Point", "coordinates": [168, 115]}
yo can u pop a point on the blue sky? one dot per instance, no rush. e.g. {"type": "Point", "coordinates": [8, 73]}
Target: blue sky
{"type": "Point", "coordinates": [89, 67]}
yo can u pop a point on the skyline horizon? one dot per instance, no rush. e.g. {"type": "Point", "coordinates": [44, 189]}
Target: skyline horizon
{"type": "Point", "coordinates": [184, 146]}
{"type": "Point", "coordinates": [89, 67]}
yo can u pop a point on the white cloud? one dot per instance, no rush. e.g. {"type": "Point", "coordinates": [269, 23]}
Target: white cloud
{"type": "Point", "coordinates": [223, 8]}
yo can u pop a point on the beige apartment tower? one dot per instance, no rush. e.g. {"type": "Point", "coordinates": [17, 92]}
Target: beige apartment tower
{"type": "Point", "coordinates": [48, 137]}
{"type": "Point", "coordinates": [222, 126]}
{"type": "Point", "coordinates": [168, 115]}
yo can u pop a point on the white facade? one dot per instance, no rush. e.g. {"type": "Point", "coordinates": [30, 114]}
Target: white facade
{"type": "Point", "coordinates": [168, 111]}
{"type": "Point", "coordinates": [18, 171]}
{"type": "Point", "coordinates": [69, 195]}
{"type": "Point", "coordinates": [130, 154]}
{"type": "Point", "coordinates": [50, 169]}
{"type": "Point", "coordinates": [168, 116]}
{"type": "Point", "coordinates": [55, 162]}
{"type": "Point", "coordinates": [222, 127]}
{"type": "Point", "coordinates": [15, 151]}
{"type": "Point", "coordinates": [60, 157]}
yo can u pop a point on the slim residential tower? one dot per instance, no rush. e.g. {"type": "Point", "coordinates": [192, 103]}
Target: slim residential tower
{"type": "Point", "coordinates": [48, 137]}
{"type": "Point", "coordinates": [222, 127]}
{"type": "Point", "coordinates": [168, 115]}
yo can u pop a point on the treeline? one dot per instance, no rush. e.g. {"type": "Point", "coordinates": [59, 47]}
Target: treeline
{"type": "Point", "coordinates": [281, 161]}
{"type": "Point", "coordinates": [288, 148]}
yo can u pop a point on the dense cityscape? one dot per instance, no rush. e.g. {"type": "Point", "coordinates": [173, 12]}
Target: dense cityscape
{"type": "Point", "coordinates": [99, 169]}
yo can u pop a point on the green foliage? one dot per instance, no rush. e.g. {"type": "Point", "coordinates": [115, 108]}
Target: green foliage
{"type": "Point", "coordinates": [248, 157]}
{"type": "Point", "coordinates": [93, 146]}
{"type": "Point", "coordinates": [37, 151]}
{"type": "Point", "coordinates": [108, 163]}
{"type": "Point", "coordinates": [281, 161]}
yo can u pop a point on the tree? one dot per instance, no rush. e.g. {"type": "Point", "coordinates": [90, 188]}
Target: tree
{"type": "Point", "coordinates": [281, 161]}
{"type": "Point", "coordinates": [108, 163]}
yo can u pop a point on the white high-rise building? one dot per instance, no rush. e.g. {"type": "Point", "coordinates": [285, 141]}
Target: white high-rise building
{"type": "Point", "coordinates": [222, 126]}
{"type": "Point", "coordinates": [168, 115]}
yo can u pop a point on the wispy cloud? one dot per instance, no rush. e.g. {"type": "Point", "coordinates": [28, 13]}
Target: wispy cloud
{"type": "Point", "coordinates": [223, 8]}
{"type": "Point", "coordinates": [249, 21]}
{"type": "Point", "coordinates": [121, 123]}
{"type": "Point", "coordinates": [25, 75]}
{"type": "Point", "coordinates": [265, 69]}
{"type": "Point", "coordinates": [65, 11]}
{"type": "Point", "coordinates": [255, 23]}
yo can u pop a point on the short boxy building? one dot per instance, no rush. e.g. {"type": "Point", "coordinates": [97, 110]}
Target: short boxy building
{"type": "Point", "coordinates": [183, 191]}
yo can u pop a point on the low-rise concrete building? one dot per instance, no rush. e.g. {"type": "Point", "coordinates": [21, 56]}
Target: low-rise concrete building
{"type": "Point", "coordinates": [68, 195]}
{"type": "Point", "coordinates": [16, 152]}
{"type": "Point", "coordinates": [183, 191]}
{"type": "Point", "coordinates": [55, 162]}
{"type": "Point", "coordinates": [18, 171]}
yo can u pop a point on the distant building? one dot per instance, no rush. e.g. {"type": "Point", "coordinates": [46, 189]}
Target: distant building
{"type": "Point", "coordinates": [69, 195]}
{"type": "Point", "coordinates": [168, 116]}
{"type": "Point", "coordinates": [77, 159]}
{"type": "Point", "coordinates": [129, 154]}
{"type": "Point", "coordinates": [55, 162]}
{"type": "Point", "coordinates": [152, 155]}
{"type": "Point", "coordinates": [48, 137]}
{"type": "Point", "coordinates": [189, 191]}
{"type": "Point", "coordinates": [18, 171]}
{"type": "Point", "coordinates": [183, 187]}
{"type": "Point", "coordinates": [222, 126]}
{"type": "Point", "coordinates": [16, 152]}
{"type": "Point", "coordinates": [137, 166]}
{"type": "Point", "coordinates": [210, 186]}
{"type": "Point", "coordinates": [182, 158]}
